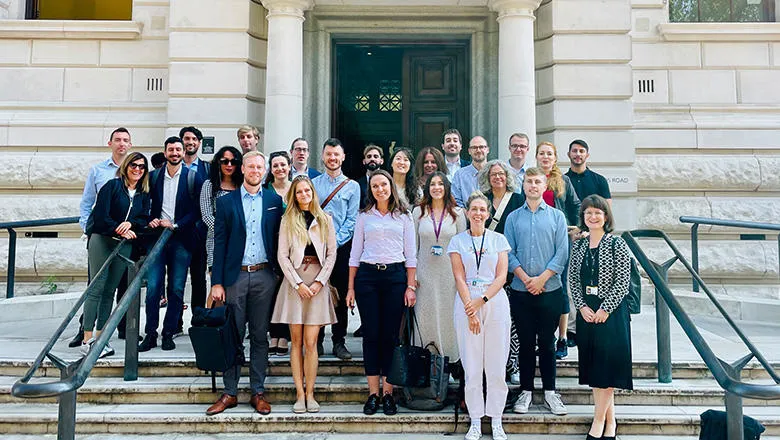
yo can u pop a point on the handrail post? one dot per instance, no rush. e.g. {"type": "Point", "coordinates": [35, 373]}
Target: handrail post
{"type": "Point", "coordinates": [132, 317]}
{"type": "Point", "coordinates": [66, 411]}
{"type": "Point", "coordinates": [695, 253]}
{"type": "Point", "coordinates": [663, 333]}
{"type": "Point", "coordinates": [9, 288]}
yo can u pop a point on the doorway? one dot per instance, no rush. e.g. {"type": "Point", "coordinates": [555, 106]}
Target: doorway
{"type": "Point", "coordinates": [398, 95]}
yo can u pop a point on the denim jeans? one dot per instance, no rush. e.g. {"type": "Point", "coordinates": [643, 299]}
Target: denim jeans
{"type": "Point", "coordinates": [175, 259]}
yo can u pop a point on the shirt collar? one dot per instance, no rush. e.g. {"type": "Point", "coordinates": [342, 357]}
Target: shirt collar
{"type": "Point", "coordinates": [336, 179]}
{"type": "Point", "coordinates": [245, 193]}
{"type": "Point", "coordinates": [110, 163]}
{"type": "Point", "coordinates": [525, 165]}
{"type": "Point", "coordinates": [542, 205]}
{"type": "Point", "coordinates": [176, 174]}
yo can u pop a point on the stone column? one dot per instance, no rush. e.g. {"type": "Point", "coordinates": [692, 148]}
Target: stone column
{"type": "Point", "coordinates": [284, 74]}
{"type": "Point", "coordinates": [516, 80]}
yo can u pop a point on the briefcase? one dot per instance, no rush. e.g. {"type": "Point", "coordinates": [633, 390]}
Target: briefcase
{"type": "Point", "coordinates": [215, 340]}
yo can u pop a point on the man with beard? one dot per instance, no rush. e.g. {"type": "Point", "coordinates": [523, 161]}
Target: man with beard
{"type": "Point", "coordinates": [465, 180]}
{"type": "Point", "coordinates": [585, 181]}
{"type": "Point", "coordinates": [248, 138]}
{"type": "Point", "coordinates": [246, 233]}
{"type": "Point", "coordinates": [192, 137]}
{"type": "Point", "coordinates": [373, 158]}
{"type": "Point", "coordinates": [451, 145]}
{"type": "Point", "coordinates": [174, 206]}
{"type": "Point", "coordinates": [340, 198]}
{"type": "Point", "coordinates": [299, 151]}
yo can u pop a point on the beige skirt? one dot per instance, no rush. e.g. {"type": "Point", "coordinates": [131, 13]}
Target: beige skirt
{"type": "Point", "coordinates": [290, 308]}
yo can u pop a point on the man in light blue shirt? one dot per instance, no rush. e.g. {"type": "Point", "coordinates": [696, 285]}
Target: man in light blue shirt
{"type": "Point", "coordinates": [518, 151]}
{"type": "Point", "coordinates": [254, 249]}
{"type": "Point", "coordinates": [540, 249]}
{"type": "Point", "coordinates": [343, 207]}
{"type": "Point", "coordinates": [465, 180]}
{"type": "Point", "coordinates": [99, 174]}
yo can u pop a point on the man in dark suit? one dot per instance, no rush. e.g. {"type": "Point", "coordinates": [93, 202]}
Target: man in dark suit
{"type": "Point", "coordinates": [299, 152]}
{"type": "Point", "coordinates": [244, 274]}
{"type": "Point", "coordinates": [373, 158]}
{"type": "Point", "coordinates": [174, 195]}
{"type": "Point", "coordinates": [451, 144]}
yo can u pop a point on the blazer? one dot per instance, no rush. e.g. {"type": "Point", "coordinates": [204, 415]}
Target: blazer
{"type": "Point", "coordinates": [189, 224]}
{"type": "Point", "coordinates": [113, 207]}
{"type": "Point", "coordinates": [290, 254]}
{"type": "Point", "coordinates": [312, 172]}
{"type": "Point", "coordinates": [569, 204]}
{"type": "Point", "coordinates": [614, 272]}
{"type": "Point", "coordinates": [515, 201]}
{"type": "Point", "coordinates": [230, 234]}
{"type": "Point", "coordinates": [363, 182]}
{"type": "Point", "coordinates": [203, 169]}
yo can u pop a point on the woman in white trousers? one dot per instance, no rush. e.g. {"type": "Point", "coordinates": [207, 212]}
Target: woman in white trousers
{"type": "Point", "coordinates": [482, 321]}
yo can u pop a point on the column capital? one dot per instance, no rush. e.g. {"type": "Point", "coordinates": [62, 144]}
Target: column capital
{"type": "Point", "coordinates": [294, 8]}
{"type": "Point", "coordinates": [513, 8]}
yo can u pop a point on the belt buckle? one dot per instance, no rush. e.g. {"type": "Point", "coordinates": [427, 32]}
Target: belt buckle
{"type": "Point", "coordinates": [381, 266]}
{"type": "Point", "coordinates": [250, 268]}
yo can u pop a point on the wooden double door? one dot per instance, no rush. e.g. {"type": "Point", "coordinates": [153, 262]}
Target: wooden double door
{"type": "Point", "coordinates": [398, 95]}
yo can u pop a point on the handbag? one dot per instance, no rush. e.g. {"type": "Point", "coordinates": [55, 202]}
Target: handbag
{"type": "Point", "coordinates": [410, 364]}
{"type": "Point", "coordinates": [215, 340]}
{"type": "Point", "coordinates": [634, 297]}
{"type": "Point", "coordinates": [434, 396]}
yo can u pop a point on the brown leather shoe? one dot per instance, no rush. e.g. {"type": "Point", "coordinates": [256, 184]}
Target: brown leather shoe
{"type": "Point", "coordinates": [261, 405]}
{"type": "Point", "coordinates": [225, 401]}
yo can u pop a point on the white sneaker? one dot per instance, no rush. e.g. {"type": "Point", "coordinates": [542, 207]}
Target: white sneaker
{"type": "Point", "coordinates": [498, 433]}
{"type": "Point", "coordinates": [107, 351]}
{"type": "Point", "coordinates": [475, 433]}
{"type": "Point", "coordinates": [515, 378]}
{"type": "Point", "coordinates": [553, 402]}
{"type": "Point", "coordinates": [523, 402]}
{"type": "Point", "coordinates": [85, 346]}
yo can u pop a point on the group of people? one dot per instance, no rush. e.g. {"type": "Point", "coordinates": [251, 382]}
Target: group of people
{"type": "Point", "coordinates": [291, 250]}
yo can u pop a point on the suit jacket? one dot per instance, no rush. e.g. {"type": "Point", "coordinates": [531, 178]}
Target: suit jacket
{"type": "Point", "coordinates": [291, 253]}
{"type": "Point", "coordinates": [203, 169]}
{"type": "Point", "coordinates": [187, 214]}
{"type": "Point", "coordinates": [230, 234]}
{"type": "Point", "coordinates": [363, 182]}
{"type": "Point", "coordinates": [312, 172]}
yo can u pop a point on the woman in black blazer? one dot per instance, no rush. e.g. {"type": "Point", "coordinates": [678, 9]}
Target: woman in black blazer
{"type": "Point", "coordinates": [120, 212]}
{"type": "Point", "coordinates": [599, 277]}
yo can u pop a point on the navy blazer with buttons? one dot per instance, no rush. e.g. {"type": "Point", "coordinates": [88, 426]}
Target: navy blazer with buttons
{"type": "Point", "coordinates": [230, 234]}
{"type": "Point", "coordinates": [187, 213]}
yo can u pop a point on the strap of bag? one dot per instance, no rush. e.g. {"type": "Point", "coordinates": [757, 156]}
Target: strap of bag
{"type": "Point", "coordinates": [500, 210]}
{"type": "Point", "coordinates": [333, 194]}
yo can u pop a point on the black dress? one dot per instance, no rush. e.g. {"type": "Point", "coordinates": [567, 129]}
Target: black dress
{"type": "Point", "coordinates": [604, 350]}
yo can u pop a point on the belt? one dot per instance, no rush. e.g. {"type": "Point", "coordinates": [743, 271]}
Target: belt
{"type": "Point", "coordinates": [254, 267]}
{"type": "Point", "coordinates": [382, 266]}
{"type": "Point", "coordinates": [309, 260]}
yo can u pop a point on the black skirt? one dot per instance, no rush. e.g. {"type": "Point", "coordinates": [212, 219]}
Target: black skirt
{"type": "Point", "coordinates": [604, 349]}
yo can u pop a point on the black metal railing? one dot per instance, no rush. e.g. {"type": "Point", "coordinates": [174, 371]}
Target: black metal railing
{"type": "Point", "coordinates": [11, 227]}
{"type": "Point", "coordinates": [73, 375]}
{"type": "Point", "coordinates": [696, 221]}
{"type": "Point", "coordinates": [727, 375]}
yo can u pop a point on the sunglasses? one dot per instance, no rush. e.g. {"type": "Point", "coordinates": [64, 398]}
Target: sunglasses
{"type": "Point", "coordinates": [137, 166]}
{"type": "Point", "coordinates": [226, 162]}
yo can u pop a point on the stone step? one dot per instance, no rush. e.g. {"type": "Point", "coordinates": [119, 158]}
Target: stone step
{"type": "Point", "coordinates": [354, 389]}
{"type": "Point", "coordinates": [331, 366]}
{"type": "Point", "coordinates": [331, 436]}
{"type": "Point", "coordinates": [39, 418]}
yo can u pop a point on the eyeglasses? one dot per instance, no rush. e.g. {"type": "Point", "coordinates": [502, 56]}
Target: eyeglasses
{"type": "Point", "coordinates": [478, 147]}
{"type": "Point", "coordinates": [137, 166]}
{"type": "Point", "coordinates": [227, 162]}
{"type": "Point", "coordinates": [518, 147]}
{"type": "Point", "coordinates": [300, 150]}
{"type": "Point", "coordinates": [501, 174]}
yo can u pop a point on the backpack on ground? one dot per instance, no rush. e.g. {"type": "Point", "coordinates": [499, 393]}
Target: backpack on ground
{"type": "Point", "coordinates": [434, 396]}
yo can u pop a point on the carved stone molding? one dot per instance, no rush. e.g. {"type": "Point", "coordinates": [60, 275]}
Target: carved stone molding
{"type": "Point", "coordinates": [290, 8]}
{"type": "Point", "coordinates": [514, 8]}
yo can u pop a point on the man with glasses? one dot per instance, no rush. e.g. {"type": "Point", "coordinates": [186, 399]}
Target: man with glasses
{"type": "Point", "coordinates": [299, 151]}
{"type": "Point", "coordinates": [451, 145]}
{"type": "Point", "coordinates": [465, 180]}
{"type": "Point", "coordinates": [518, 150]}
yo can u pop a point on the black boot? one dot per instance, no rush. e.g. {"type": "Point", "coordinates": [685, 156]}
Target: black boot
{"type": "Point", "coordinates": [79, 338]}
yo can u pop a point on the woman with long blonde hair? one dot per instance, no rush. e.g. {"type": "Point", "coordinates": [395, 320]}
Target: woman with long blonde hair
{"type": "Point", "coordinates": [307, 254]}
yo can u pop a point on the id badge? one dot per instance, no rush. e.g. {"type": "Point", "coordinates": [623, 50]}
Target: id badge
{"type": "Point", "coordinates": [437, 251]}
{"type": "Point", "coordinates": [591, 290]}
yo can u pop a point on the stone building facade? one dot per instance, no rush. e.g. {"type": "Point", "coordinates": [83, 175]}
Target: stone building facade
{"type": "Point", "coordinates": [683, 118]}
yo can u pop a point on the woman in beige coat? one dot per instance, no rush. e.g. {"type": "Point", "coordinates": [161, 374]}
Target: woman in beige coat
{"type": "Point", "coordinates": [307, 253]}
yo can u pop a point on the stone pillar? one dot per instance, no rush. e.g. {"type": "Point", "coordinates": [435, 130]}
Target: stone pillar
{"type": "Point", "coordinates": [516, 80]}
{"type": "Point", "coordinates": [284, 74]}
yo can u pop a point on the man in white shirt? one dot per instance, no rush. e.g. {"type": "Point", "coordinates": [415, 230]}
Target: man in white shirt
{"type": "Point", "coordinates": [451, 145]}
{"type": "Point", "coordinates": [518, 151]}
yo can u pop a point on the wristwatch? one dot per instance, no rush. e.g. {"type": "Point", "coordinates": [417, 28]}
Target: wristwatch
{"type": "Point", "coordinates": [298, 286]}
{"type": "Point", "coordinates": [414, 288]}
{"type": "Point", "coordinates": [485, 298]}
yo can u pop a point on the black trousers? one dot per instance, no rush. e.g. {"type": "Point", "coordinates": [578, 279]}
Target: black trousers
{"type": "Point", "coordinates": [198, 274]}
{"type": "Point", "coordinates": [339, 279]}
{"type": "Point", "coordinates": [380, 298]}
{"type": "Point", "coordinates": [536, 319]}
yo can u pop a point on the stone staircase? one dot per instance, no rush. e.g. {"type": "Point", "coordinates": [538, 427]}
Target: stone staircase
{"type": "Point", "coordinates": [171, 397]}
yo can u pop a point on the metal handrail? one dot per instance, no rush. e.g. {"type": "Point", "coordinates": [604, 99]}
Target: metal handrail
{"type": "Point", "coordinates": [11, 228]}
{"type": "Point", "coordinates": [696, 221]}
{"type": "Point", "coordinates": [81, 369]}
{"type": "Point", "coordinates": [727, 375]}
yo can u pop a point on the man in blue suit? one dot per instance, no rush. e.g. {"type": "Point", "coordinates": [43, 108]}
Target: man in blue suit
{"type": "Point", "coordinates": [299, 151]}
{"type": "Point", "coordinates": [174, 196]}
{"type": "Point", "coordinates": [244, 274]}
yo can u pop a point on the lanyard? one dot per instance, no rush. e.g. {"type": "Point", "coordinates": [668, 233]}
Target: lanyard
{"type": "Point", "coordinates": [437, 229]}
{"type": "Point", "coordinates": [478, 255]}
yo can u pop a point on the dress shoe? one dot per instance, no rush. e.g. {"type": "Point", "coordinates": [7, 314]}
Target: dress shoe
{"type": "Point", "coordinates": [225, 401]}
{"type": "Point", "coordinates": [168, 344]}
{"type": "Point", "coordinates": [388, 405]}
{"type": "Point", "coordinates": [299, 407]}
{"type": "Point", "coordinates": [590, 437]}
{"type": "Point", "coordinates": [372, 405]}
{"type": "Point", "coordinates": [341, 352]}
{"type": "Point", "coordinates": [149, 342]}
{"type": "Point", "coordinates": [260, 405]}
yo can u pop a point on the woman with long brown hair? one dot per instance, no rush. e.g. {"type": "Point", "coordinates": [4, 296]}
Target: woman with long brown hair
{"type": "Point", "coordinates": [401, 165]}
{"type": "Point", "coordinates": [307, 254]}
{"type": "Point", "coordinates": [429, 160]}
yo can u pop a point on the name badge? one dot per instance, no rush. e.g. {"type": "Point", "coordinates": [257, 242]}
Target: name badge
{"type": "Point", "coordinates": [474, 283]}
{"type": "Point", "coordinates": [437, 251]}
{"type": "Point", "coordinates": [591, 290]}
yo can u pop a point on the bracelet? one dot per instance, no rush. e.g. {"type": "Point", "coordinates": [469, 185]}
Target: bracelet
{"type": "Point", "coordinates": [414, 288]}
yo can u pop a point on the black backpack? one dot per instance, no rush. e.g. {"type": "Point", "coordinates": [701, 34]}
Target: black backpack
{"type": "Point", "coordinates": [215, 340]}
